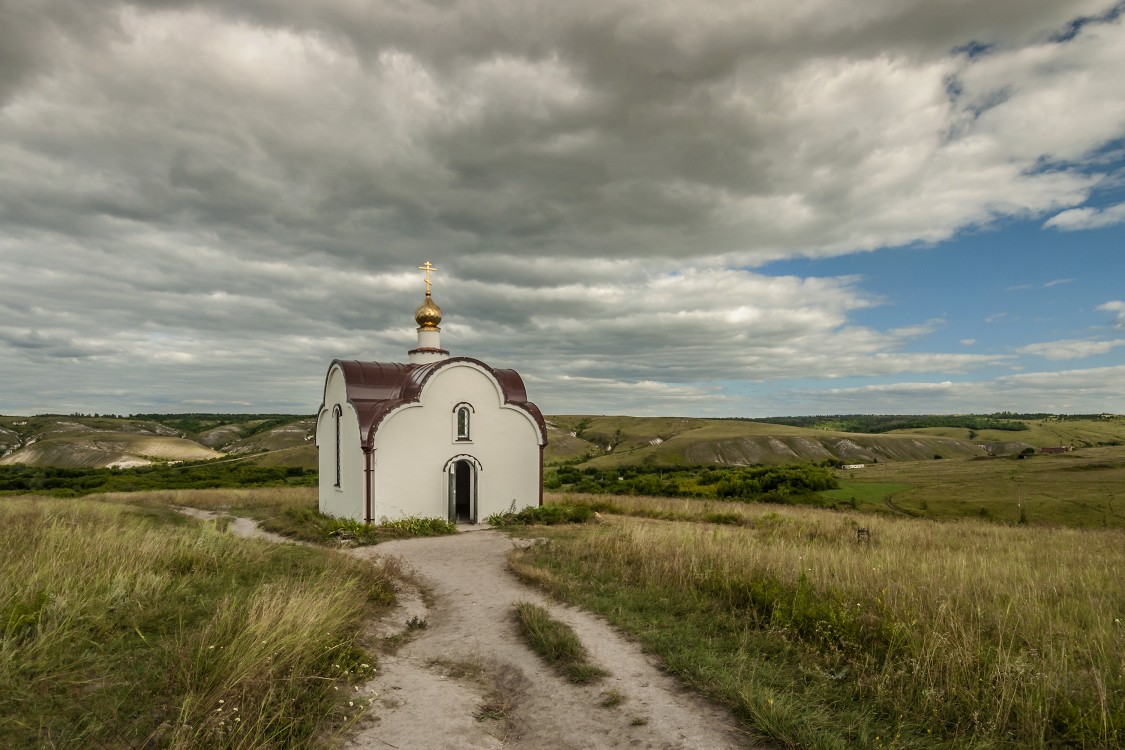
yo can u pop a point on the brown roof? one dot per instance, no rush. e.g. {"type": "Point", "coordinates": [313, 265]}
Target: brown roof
{"type": "Point", "coordinates": [376, 389]}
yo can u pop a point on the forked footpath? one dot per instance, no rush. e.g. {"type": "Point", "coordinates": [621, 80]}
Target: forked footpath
{"type": "Point", "coordinates": [464, 677]}
{"type": "Point", "coordinates": [468, 680]}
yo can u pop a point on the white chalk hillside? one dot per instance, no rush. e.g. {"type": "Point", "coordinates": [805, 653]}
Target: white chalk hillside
{"type": "Point", "coordinates": [108, 449]}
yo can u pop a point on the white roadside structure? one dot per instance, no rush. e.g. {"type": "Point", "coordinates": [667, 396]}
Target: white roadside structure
{"type": "Point", "coordinates": [435, 437]}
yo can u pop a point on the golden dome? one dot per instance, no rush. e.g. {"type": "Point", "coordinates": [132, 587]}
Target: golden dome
{"type": "Point", "coordinates": [428, 313]}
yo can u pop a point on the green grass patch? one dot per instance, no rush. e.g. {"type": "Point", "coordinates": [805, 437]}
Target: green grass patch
{"type": "Point", "coordinates": [669, 509]}
{"type": "Point", "coordinates": [121, 630]}
{"type": "Point", "coordinates": [557, 643]}
{"type": "Point", "coordinates": [289, 511]}
{"type": "Point", "coordinates": [931, 636]}
{"type": "Point", "coordinates": [863, 495]}
{"type": "Point", "coordinates": [309, 524]}
{"type": "Point", "coordinates": [1080, 489]}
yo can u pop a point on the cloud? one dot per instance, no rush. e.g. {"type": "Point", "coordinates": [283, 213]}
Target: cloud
{"type": "Point", "coordinates": [1045, 285]}
{"type": "Point", "coordinates": [658, 130]}
{"type": "Point", "coordinates": [1074, 219]}
{"type": "Point", "coordinates": [203, 200]}
{"type": "Point", "coordinates": [679, 332]}
{"type": "Point", "coordinates": [1087, 391]}
{"type": "Point", "coordinates": [52, 345]}
{"type": "Point", "coordinates": [919, 330]}
{"type": "Point", "coordinates": [699, 325]}
{"type": "Point", "coordinates": [1070, 348]}
{"type": "Point", "coordinates": [1118, 307]}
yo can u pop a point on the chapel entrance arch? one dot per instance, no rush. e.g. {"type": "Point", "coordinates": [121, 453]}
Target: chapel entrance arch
{"type": "Point", "coordinates": [462, 490]}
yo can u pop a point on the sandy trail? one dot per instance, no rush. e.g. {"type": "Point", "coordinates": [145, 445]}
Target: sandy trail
{"type": "Point", "coordinates": [239, 526]}
{"type": "Point", "coordinates": [467, 680]}
{"type": "Point", "coordinates": [470, 622]}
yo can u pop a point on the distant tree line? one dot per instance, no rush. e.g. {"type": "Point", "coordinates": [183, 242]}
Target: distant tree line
{"type": "Point", "coordinates": [877, 423]}
{"type": "Point", "coordinates": [780, 484]}
{"type": "Point", "coordinates": [17, 479]}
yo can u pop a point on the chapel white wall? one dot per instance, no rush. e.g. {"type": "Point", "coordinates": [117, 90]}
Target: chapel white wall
{"type": "Point", "coordinates": [347, 500]}
{"type": "Point", "coordinates": [414, 443]}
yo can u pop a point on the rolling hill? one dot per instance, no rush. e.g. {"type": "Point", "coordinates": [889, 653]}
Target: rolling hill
{"type": "Point", "coordinates": [79, 441]}
{"type": "Point", "coordinates": [658, 441]}
{"type": "Point", "coordinates": [94, 442]}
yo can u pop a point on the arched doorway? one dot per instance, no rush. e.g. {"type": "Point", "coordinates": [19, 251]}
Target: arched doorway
{"type": "Point", "coordinates": [463, 491]}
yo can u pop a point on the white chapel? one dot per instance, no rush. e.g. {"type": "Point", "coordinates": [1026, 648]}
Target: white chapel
{"type": "Point", "coordinates": [435, 437]}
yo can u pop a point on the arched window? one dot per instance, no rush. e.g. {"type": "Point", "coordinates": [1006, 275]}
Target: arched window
{"type": "Point", "coordinates": [464, 419]}
{"type": "Point", "coordinates": [337, 412]}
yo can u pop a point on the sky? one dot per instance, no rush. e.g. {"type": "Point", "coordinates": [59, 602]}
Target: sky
{"type": "Point", "coordinates": [701, 208]}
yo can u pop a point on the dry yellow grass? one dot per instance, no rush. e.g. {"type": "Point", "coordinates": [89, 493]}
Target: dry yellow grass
{"type": "Point", "coordinates": [219, 499]}
{"type": "Point", "coordinates": [118, 629]}
{"type": "Point", "coordinates": [969, 632]}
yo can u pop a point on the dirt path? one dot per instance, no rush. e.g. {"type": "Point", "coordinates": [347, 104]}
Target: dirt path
{"type": "Point", "coordinates": [470, 660]}
{"type": "Point", "coordinates": [467, 680]}
{"type": "Point", "coordinates": [239, 526]}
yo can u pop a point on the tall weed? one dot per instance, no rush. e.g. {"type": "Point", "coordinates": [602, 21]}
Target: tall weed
{"type": "Point", "coordinates": [122, 631]}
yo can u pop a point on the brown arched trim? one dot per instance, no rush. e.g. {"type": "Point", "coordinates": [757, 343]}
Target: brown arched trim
{"type": "Point", "coordinates": [463, 457]}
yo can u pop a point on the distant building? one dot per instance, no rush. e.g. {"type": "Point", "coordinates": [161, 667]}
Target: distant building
{"type": "Point", "coordinates": [435, 437]}
{"type": "Point", "coordinates": [1057, 449]}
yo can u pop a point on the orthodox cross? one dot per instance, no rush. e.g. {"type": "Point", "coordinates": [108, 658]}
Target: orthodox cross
{"type": "Point", "coordinates": [428, 268]}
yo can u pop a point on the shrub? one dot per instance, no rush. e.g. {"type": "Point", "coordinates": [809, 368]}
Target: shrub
{"type": "Point", "coordinates": [546, 515]}
{"type": "Point", "coordinates": [309, 524]}
{"type": "Point", "coordinates": [735, 483]}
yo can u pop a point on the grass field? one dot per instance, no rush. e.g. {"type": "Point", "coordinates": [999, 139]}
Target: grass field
{"type": "Point", "coordinates": [934, 635]}
{"type": "Point", "coordinates": [1083, 489]}
{"type": "Point", "coordinates": [868, 496]}
{"type": "Point", "coordinates": [1042, 432]}
{"type": "Point", "coordinates": [130, 626]}
{"type": "Point", "coordinates": [998, 630]}
{"type": "Point", "coordinates": [289, 511]}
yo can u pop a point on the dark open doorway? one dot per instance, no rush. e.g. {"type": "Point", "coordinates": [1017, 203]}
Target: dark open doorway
{"type": "Point", "coordinates": [464, 505]}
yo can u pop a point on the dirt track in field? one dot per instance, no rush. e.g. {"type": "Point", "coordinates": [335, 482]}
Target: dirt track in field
{"type": "Point", "coordinates": [467, 680]}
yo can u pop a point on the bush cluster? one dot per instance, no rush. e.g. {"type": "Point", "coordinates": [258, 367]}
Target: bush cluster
{"type": "Point", "coordinates": [547, 515]}
{"type": "Point", "coordinates": [780, 484]}
{"type": "Point", "coordinates": [201, 475]}
{"type": "Point", "coordinates": [309, 524]}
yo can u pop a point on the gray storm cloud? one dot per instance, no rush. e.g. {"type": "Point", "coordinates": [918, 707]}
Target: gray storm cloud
{"type": "Point", "coordinates": [221, 195]}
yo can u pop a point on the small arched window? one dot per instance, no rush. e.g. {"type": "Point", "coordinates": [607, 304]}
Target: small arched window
{"type": "Point", "coordinates": [464, 418]}
{"type": "Point", "coordinates": [337, 412]}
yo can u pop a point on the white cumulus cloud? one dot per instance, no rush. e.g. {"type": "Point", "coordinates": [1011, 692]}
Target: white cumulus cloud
{"type": "Point", "coordinates": [1070, 348]}
{"type": "Point", "coordinates": [1074, 219]}
{"type": "Point", "coordinates": [1118, 308]}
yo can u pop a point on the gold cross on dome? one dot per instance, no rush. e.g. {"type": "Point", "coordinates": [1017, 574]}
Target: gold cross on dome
{"type": "Point", "coordinates": [428, 268]}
